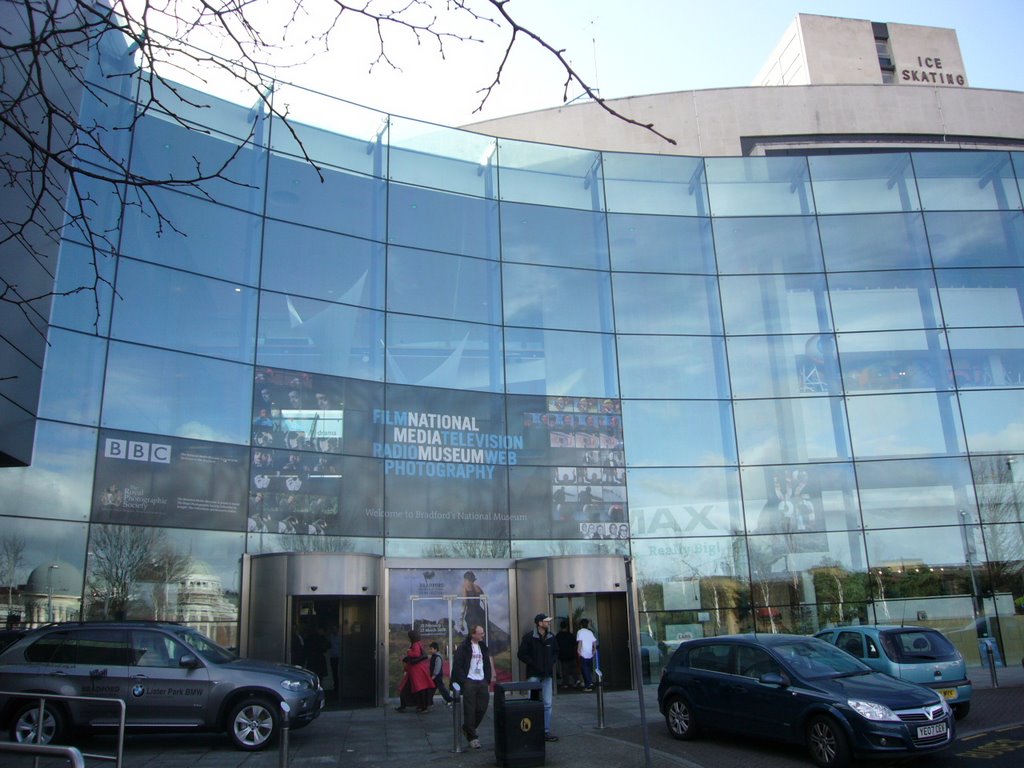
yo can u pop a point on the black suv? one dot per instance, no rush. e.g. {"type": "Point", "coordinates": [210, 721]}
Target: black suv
{"type": "Point", "coordinates": [169, 676]}
{"type": "Point", "coordinates": [804, 691]}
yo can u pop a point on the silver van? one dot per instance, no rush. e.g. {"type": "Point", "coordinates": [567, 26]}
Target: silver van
{"type": "Point", "coordinates": [169, 676]}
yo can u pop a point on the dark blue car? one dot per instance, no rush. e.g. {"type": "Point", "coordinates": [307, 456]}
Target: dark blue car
{"type": "Point", "coordinates": [800, 690]}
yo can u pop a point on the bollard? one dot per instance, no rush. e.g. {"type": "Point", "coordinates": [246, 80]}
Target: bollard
{"type": "Point", "coordinates": [456, 718]}
{"type": "Point", "coordinates": [992, 662]}
{"type": "Point", "coordinates": [282, 757]}
{"type": "Point", "coordinates": [600, 698]}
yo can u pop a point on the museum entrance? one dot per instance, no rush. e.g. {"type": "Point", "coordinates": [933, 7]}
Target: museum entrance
{"type": "Point", "coordinates": [608, 619]}
{"type": "Point", "coordinates": [336, 639]}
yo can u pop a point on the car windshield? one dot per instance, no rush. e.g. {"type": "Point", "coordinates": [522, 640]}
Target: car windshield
{"type": "Point", "coordinates": [812, 658]}
{"type": "Point", "coordinates": [208, 649]}
{"type": "Point", "coordinates": [917, 645]}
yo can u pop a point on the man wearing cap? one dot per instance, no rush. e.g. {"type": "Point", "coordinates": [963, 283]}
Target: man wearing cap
{"type": "Point", "coordinates": [539, 652]}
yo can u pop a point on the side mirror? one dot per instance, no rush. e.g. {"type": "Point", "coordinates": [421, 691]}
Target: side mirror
{"type": "Point", "coordinates": [773, 679]}
{"type": "Point", "coordinates": [188, 661]}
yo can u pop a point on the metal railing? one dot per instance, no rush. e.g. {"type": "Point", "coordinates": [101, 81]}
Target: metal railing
{"type": "Point", "coordinates": [42, 698]}
{"type": "Point", "coordinates": [70, 754]}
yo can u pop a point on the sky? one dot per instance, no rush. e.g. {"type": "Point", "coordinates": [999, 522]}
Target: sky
{"type": "Point", "coordinates": [632, 48]}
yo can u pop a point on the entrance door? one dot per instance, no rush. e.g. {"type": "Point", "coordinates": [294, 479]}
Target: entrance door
{"type": "Point", "coordinates": [339, 644]}
{"type": "Point", "coordinates": [609, 621]}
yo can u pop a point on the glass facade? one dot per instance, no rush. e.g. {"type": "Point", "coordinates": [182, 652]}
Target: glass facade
{"type": "Point", "coordinates": [791, 389]}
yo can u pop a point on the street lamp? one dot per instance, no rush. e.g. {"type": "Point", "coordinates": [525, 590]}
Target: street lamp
{"type": "Point", "coordinates": [49, 591]}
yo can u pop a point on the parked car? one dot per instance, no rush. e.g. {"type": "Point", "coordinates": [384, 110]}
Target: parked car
{"type": "Point", "coordinates": [169, 676]}
{"type": "Point", "coordinates": [917, 654]}
{"type": "Point", "coordinates": [800, 690]}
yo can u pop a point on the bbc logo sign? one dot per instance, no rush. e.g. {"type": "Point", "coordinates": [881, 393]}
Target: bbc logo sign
{"type": "Point", "coordinates": [136, 450]}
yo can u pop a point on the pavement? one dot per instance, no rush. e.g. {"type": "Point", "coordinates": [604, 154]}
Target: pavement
{"type": "Point", "coordinates": [383, 738]}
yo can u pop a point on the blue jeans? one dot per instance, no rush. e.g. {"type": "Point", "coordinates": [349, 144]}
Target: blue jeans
{"type": "Point", "coordinates": [587, 668]}
{"type": "Point", "coordinates": [545, 695]}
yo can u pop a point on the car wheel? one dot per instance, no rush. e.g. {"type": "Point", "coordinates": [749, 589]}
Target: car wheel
{"type": "Point", "coordinates": [679, 719]}
{"type": "Point", "coordinates": [25, 726]}
{"type": "Point", "coordinates": [960, 710]}
{"type": "Point", "coordinates": [827, 743]}
{"type": "Point", "coordinates": [253, 724]}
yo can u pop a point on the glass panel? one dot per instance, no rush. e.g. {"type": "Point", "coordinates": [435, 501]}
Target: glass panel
{"type": "Point", "coordinates": [538, 362]}
{"type": "Point", "coordinates": [684, 502]}
{"type": "Point", "coordinates": [331, 199]}
{"type": "Point", "coordinates": [323, 265]}
{"type": "Point", "coordinates": [49, 571]}
{"type": "Point", "coordinates": [905, 425]}
{"type": "Point", "coordinates": [559, 503]}
{"type": "Point", "coordinates": [579, 435]}
{"type": "Point", "coordinates": [59, 481]}
{"type": "Point", "coordinates": [661, 244]}
{"type": "Point", "coordinates": [433, 156]}
{"type": "Point", "coordinates": [440, 221]}
{"type": "Point", "coordinates": [544, 235]}
{"type": "Point", "coordinates": [893, 551]}
{"type": "Point", "coordinates": [317, 336]}
{"type": "Point", "coordinates": [775, 304]}
{"type": "Point", "coordinates": [194, 235]}
{"type": "Point", "coordinates": [882, 301]}
{"type": "Point", "coordinates": [764, 245]}
{"type": "Point", "coordinates": [78, 358]}
{"type": "Point", "coordinates": [257, 543]}
{"type": "Point", "coordinates": [988, 357]}
{"type": "Point", "coordinates": [655, 184]}
{"type": "Point", "coordinates": [167, 308]}
{"type": "Point", "coordinates": [994, 421]}
{"type": "Point", "coordinates": [863, 183]}
{"type": "Point", "coordinates": [156, 391]}
{"type": "Point", "coordinates": [790, 431]}
{"type": "Point", "coordinates": [87, 310]}
{"type": "Point", "coordinates": [549, 297]}
{"type": "Point", "coordinates": [810, 499]}
{"type": "Point", "coordinates": [447, 547]}
{"type": "Point", "coordinates": [163, 149]}
{"type": "Point", "coordinates": [874, 241]}
{"type": "Point", "coordinates": [672, 367]}
{"type": "Point", "coordinates": [658, 433]}
{"type": "Point", "coordinates": [783, 366]}
{"type": "Point", "coordinates": [999, 483]}
{"type": "Point", "coordinates": [645, 304]}
{"type": "Point", "coordinates": [981, 297]}
{"type": "Point", "coordinates": [759, 186]}
{"type": "Point", "coordinates": [297, 493]}
{"type": "Point", "coordinates": [364, 149]}
{"type": "Point", "coordinates": [444, 353]}
{"type": "Point", "coordinates": [894, 361]}
{"type": "Point", "coordinates": [193, 577]}
{"type": "Point", "coordinates": [966, 181]}
{"type": "Point", "coordinates": [425, 283]}
{"type": "Point", "coordinates": [550, 175]}
{"type": "Point", "coordinates": [561, 548]}
{"type": "Point", "coordinates": [904, 494]}
{"type": "Point", "coordinates": [977, 239]}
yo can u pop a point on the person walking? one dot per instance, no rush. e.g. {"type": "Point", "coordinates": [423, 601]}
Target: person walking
{"type": "Point", "coordinates": [416, 686]}
{"type": "Point", "coordinates": [437, 674]}
{"type": "Point", "coordinates": [472, 671]}
{"type": "Point", "coordinates": [539, 652]}
{"type": "Point", "coordinates": [586, 647]}
{"type": "Point", "coordinates": [567, 655]}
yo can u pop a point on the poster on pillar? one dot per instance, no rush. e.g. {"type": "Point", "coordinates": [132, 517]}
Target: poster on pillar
{"type": "Point", "coordinates": [442, 605]}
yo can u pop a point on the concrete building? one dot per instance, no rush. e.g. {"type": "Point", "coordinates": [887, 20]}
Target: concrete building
{"type": "Point", "coordinates": [768, 378]}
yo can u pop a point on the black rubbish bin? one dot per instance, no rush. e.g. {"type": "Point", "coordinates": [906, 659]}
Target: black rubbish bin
{"type": "Point", "coordinates": [518, 726]}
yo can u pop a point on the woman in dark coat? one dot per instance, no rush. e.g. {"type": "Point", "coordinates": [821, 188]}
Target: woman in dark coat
{"type": "Point", "coordinates": [416, 688]}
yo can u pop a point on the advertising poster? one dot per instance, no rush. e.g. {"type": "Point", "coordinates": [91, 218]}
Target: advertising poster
{"type": "Point", "coordinates": [442, 604]}
{"type": "Point", "coordinates": [167, 481]}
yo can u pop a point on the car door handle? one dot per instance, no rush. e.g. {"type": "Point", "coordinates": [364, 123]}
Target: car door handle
{"type": "Point", "coordinates": [97, 673]}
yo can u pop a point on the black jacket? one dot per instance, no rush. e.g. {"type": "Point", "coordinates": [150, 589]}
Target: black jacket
{"type": "Point", "coordinates": [538, 654]}
{"type": "Point", "coordinates": [463, 657]}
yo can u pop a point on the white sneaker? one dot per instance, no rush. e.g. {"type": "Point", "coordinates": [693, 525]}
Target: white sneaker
{"type": "Point", "coordinates": [475, 743]}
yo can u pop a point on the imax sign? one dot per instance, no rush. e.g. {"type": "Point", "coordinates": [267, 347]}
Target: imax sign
{"type": "Point", "coordinates": [137, 450]}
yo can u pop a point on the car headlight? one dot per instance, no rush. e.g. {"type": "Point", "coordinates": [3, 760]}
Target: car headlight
{"type": "Point", "coordinates": [871, 710]}
{"type": "Point", "coordinates": [294, 685]}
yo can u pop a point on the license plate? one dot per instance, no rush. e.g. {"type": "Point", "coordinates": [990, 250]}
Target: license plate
{"type": "Point", "coordinates": [948, 693]}
{"type": "Point", "coordinates": [924, 731]}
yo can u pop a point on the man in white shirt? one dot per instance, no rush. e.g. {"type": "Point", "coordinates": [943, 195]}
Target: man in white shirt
{"type": "Point", "coordinates": [586, 647]}
{"type": "Point", "coordinates": [473, 670]}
